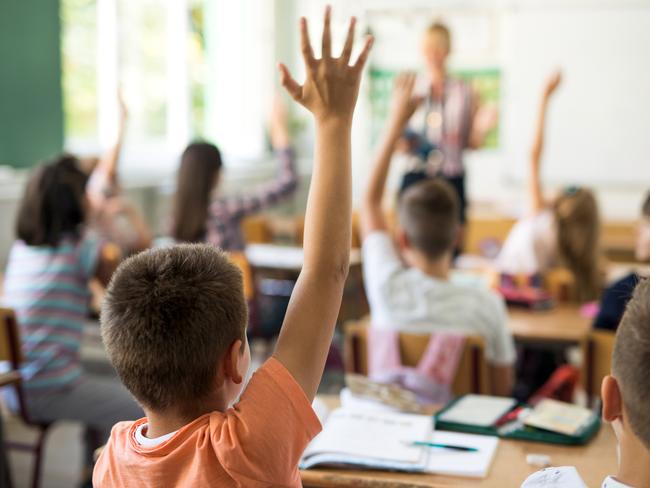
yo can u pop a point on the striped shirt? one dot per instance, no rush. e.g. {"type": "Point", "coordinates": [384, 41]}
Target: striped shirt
{"type": "Point", "coordinates": [48, 289]}
{"type": "Point", "coordinates": [226, 213]}
{"type": "Point", "coordinates": [452, 137]}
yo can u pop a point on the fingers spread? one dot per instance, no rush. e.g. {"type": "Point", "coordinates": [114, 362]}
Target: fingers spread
{"type": "Point", "coordinates": [363, 57]}
{"type": "Point", "coordinates": [291, 85]}
{"type": "Point", "coordinates": [349, 42]}
{"type": "Point", "coordinates": [305, 44]}
{"type": "Point", "coordinates": [327, 34]}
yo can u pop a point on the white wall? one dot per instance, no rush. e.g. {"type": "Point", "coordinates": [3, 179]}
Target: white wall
{"type": "Point", "coordinates": [596, 124]}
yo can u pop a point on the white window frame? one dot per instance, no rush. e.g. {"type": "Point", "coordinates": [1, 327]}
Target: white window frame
{"type": "Point", "coordinates": [239, 86]}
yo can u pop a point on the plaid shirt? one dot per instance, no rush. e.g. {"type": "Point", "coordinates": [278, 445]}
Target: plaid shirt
{"type": "Point", "coordinates": [456, 126]}
{"type": "Point", "coordinates": [226, 213]}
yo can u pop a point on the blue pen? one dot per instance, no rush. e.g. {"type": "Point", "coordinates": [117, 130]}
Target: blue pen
{"type": "Point", "coordinates": [445, 446]}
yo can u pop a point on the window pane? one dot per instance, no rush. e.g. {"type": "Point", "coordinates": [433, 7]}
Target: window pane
{"type": "Point", "coordinates": [79, 23]}
{"type": "Point", "coordinates": [143, 69]}
{"type": "Point", "coordinates": [197, 67]}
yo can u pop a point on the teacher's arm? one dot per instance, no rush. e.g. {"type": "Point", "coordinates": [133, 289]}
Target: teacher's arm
{"type": "Point", "coordinates": [483, 118]}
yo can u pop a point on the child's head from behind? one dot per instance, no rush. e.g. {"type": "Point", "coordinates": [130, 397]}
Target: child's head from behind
{"type": "Point", "coordinates": [626, 394]}
{"type": "Point", "coordinates": [428, 220]}
{"type": "Point", "coordinates": [53, 206]}
{"type": "Point", "coordinates": [174, 325]}
{"type": "Point", "coordinates": [197, 176]}
{"type": "Point", "coordinates": [643, 232]}
{"type": "Point", "coordinates": [578, 235]}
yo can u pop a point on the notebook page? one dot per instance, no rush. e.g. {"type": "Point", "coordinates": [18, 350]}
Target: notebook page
{"type": "Point", "coordinates": [374, 435]}
{"type": "Point", "coordinates": [480, 410]}
{"type": "Point", "coordinates": [460, 463]}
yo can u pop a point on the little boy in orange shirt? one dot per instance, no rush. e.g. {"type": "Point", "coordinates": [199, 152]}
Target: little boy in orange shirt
{"type": "Point", "coordinates": [174, 325]}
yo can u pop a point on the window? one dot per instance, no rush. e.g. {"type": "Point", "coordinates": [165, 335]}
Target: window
{"type": "Point", "coordinates": [187, 68]}
{"type": "Point", "coordinates": [79, 68]}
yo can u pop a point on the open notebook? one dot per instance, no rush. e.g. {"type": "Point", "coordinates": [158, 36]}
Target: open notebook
{"type": "Point", "coordinates": [384, 440]}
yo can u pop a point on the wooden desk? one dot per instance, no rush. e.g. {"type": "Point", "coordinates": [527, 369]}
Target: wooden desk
{"type": "Point", "coordinates": [594, 461]}
{"type": "Point", "coordinates": [562, 324]}
{"type": "Point", "coordinates": [285, 258]}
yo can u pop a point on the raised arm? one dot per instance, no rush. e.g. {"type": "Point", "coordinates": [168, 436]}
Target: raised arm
{"type": "Point", "coordinates": [403, 105]}
{"type": "Point", "coordinates": [108, 162]}
{"type": "Point", "coordinates": [535, 191]}
{"type": "Point", "coordinates": [329, 93]}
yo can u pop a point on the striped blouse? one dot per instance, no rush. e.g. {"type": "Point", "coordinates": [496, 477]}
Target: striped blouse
{"type": "Point", "coordinates": [48, 289]}
{"type": "Point", "coordinates": [226, 213]}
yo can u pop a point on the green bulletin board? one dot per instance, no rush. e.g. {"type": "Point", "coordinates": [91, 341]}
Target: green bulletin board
{"type": "Point", "coordinates": [485, 81]}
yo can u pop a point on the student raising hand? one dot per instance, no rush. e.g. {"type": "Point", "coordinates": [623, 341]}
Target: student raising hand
{"type": "Point", "coordinates": [552, 83]}
{"type": "Point", "coordinates": [404, 102]}
{"type": "Point", "coordinates": [403, 105]}
{"type": "Point", "coordinates": [330, 93]}
{"type": "Point", "coordinates": [332, 85]}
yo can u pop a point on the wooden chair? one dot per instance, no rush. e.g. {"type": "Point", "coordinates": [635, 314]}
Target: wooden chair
{"type": "Point", "coordinates": [239, 260]}
{"type": "Point", "coordinates": [560, 283]}
{"type": "Point", "coordinates": [256, 230]}
{"type": "Point", "coordinates": [472, 374]}
{"type": "Point", "coordinates": [599, 361]}
{"type": "Point", "coordinates": [11, 350]}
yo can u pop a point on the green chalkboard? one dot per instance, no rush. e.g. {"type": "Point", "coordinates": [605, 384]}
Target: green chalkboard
{"type": "Point", "coordinates": [31, 113]}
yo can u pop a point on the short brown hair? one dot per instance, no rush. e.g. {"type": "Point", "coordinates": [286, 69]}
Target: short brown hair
{"type": "Point", "coordinates": [631, 360]}
{"type": "Point", "coordinates": [429, 215]}
{"type": "Point", "coordinates": [437, 27]}
{"type": "Point", "coordinates": [169, 315]}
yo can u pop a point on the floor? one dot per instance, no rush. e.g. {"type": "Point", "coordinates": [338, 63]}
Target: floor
{"type": "Point", "coordinates": [63, 446]}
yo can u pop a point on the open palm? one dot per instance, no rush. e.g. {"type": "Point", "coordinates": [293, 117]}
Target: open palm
{"type": "Point", "coordinates": [332, 84]}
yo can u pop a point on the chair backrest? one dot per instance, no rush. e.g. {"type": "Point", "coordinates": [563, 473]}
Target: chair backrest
{"type": "Point", "coordinates": [472, 374]}
{"type": "Point", "coordinates": [239, 259]}
{"type": "Point", "coordinates": [599, 361]}
{"type": "Point", "coordinates": [10, 347]}
{"type": "Point", "coordinates": [256, 230]}
{"type": "Point", "coordinates": [560, 283]}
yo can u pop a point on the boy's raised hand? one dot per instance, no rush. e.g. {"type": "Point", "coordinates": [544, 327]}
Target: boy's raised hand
{"type": "Point", "coordinates": [404, 103]}
{"type": "Point", "coordinates": [330, 93]}
{"type": "Point", "coordinates": [332, 84]}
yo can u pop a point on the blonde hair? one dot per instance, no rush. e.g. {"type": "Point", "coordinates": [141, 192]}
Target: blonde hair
{"type": "Point", "coordinates": [438, 28]}
{"type": "Point", "coordinates": [631, 361]}
{"type": "Point", "coordinates": [578, 237]}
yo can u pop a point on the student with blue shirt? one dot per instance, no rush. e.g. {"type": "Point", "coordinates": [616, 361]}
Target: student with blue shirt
{"type": "Point", "coordinates": [616, 296]}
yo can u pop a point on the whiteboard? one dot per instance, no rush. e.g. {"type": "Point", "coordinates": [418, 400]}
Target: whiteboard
{"type": "Point", "coordinates": [598, 127]}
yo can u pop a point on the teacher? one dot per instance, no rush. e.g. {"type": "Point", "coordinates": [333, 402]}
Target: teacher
{"type": "Point", "coordinates": [448, 121]}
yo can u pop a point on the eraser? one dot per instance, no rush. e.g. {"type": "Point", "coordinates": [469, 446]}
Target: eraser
{"type": "Point", "coordinates": [539, 460]}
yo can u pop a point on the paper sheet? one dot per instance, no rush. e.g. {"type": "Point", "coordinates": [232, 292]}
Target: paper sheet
{"type": "Point", "coordinates": [460, 463]}
{"type": "Point", "coordinates": [374, 435]}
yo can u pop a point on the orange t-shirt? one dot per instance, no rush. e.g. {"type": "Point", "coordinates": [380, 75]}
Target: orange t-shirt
{"type": "Point", "coordinates": [257, 443]}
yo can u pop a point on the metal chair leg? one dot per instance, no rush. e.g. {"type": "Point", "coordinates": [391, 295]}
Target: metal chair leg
{"type": "Point", "coordinates": [38, 458]}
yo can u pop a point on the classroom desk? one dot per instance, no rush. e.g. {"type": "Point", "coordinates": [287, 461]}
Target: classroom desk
{"type": "Point", "coordinates": [509, 469]}
{"type": "Point", "coordinates": [285, 263]}
{"type": "Point", "coordinates": [284, 258]}
{"type": "Point", "coordinates": [562, 324]}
